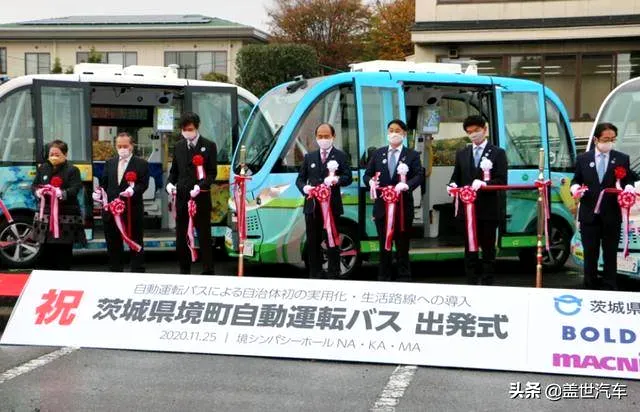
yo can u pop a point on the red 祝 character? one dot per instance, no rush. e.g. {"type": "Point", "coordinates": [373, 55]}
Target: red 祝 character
{"type": "Point", "coordinates": [58, 306]}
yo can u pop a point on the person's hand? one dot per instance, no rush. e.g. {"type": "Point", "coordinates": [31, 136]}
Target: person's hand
{"type": "Point", "coordinates": [127, 193]}
{"type": "Point", "coordinates": [195, 191]}
{"type": "Point", "coordinates": [58, 192]}
{"type": "Point", "coordinates": [39, 193]}
{"type": "Point", "coordinates": [96, 196]}
{"type": "Point", "coordinates": [477, 184]}
{"type": "Point", "coordinates": [307, 189]}
{"type": "Point", "coordinates": [170, 188]}
{"type": "Point", "coordinates": [630, 189]}
{"type": "Point", "coordinates": [450, 188]}
{"type": "Point", "coordinates": [401, 187]}
{"type": "Point", "coordinates": [330, 180]}
{"type": "Point", "coordinates": [577, 191]}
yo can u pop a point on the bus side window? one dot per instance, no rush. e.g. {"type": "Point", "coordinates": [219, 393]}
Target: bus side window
{"type": "Point", "coordinates": [522, 124]}
{"type": "Point", "coordinates": [336, 107]}
{"type": "Point", "coordinates": [17, 140]}
{"type": "Point", "coordinates": [561, 155]}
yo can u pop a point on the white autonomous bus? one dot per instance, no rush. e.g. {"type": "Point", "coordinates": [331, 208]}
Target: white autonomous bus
{"type": "Point", "coordinates": [87, 109]}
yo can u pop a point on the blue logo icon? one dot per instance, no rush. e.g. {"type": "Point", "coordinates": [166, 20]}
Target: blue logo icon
{"type": "Point", "coordinates": [568, 305]}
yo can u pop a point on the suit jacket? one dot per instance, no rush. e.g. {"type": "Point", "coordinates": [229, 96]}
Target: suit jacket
{"type": "Point", "coordinates": [415, 178]}
{"type": "Point", "coordinates": [183, 173]}
{"type": "Point", "coordinates": [313, 171]}
{"type": "Point", "coordinates": [587, 174]}
{"type": "Point", "coordinates": [71, 185]}
{"type": "Point", "coordinates": [489, 205]}
{"type": "Point", "coordinates": [109, 182]}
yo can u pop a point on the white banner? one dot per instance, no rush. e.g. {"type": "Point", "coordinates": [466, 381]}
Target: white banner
{"type": "Point", "coordinates": [503, 328]}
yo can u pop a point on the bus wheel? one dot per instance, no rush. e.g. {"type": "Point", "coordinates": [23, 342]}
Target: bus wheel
{"type": "Point", "coordinates": [350, 259]}
{"type": "Point", "coordinates": [559, 248]}
{"type": "Point", "coordinates": [17, 250]}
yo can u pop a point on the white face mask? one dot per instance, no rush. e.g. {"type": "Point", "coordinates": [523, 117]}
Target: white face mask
{"type": "Point", "coordinates": [395, 138]}
{"type": "Point", "coordinates": [189, 135]}
{"type": "Point", "coordinates": [477, 137]}
{"type": "Point", "coordinates": [325, 144]}
{"type": "Point", "coordinates": [605, 147]}
{"type": "Point", "coordinates": [124, 153]}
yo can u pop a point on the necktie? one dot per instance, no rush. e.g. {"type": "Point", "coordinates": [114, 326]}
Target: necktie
{"type": "Point", "coordinates": [392, 162]}
{"type": "Point", "coordinates": [476, 155]}
{"type": "Point", "coordinates": [602, 166]}
{"type": "Point", "coordinates": [324, 156]}
{"type": "Point", "coordinates": [121, 166]}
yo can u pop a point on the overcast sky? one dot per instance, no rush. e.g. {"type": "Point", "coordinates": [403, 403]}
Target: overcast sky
{"type": "Point", "coordinates": [250, 12]}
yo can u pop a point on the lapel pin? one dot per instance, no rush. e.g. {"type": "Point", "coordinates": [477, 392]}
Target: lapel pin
{"type": "Point", "coordinates": [202, 149]}
{"type": "Point", "coordinates": [384, 161]}
{"type": "Point", "coordinates": [313, 165]}
{"type": "Point", "coordinates": [592, 164]}
{"type": "Point", "coordinates": [45, 177]}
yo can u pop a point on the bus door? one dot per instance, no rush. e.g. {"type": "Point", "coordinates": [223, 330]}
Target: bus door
{"type": "Point", "coordinates": [378, 100]}
{"type": "Point", "coordinates": [521, 132]}
{"type": "Point", "coordinates": [62, 111]}
{"type": "Point", "coordinates": [218, 111]}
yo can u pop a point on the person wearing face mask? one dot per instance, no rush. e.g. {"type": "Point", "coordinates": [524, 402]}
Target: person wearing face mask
{"type": "Point", "coordinates": [57, 252]}
{"type": "Point", "coordinates": [595, 169]}
{"type": "Point", "coordinates": [490, 206]}
{"type": "Point", "coordinates": [384, 163]}
{"type": "Point", "coordinates": [186, 184]}
{"type": "Point", "coordinates": [115, 185]}
{"type": "Point", "coordinates": [314, 172]}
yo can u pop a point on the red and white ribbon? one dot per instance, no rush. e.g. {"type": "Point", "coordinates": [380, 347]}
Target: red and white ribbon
{"type": "Point", "coordinates": [239, 196]}
{"type": "Point", "coordinates": [116, 208]}
{"type": "Point", "coordinates": [191, 204]}
{"type": "Point", "coordinates": [403, 169]}
{"type": "Point", "coordinates": [580, 192]}
{"type": "Point", "coordinates": [468, 197]}
{"type": "Point", "coordinates": [198, 162]}
{"type": "Point", "coordinates": [322, 193]}
{"type": "Point", "coordinates": [544, 194]}
{"type": "Point", "coordinates": [54, 224]}
{"type": "Point", "coordinates": [390, 198]}
{"type": "Point", "coordinates": [9, 219]}
{"type": "Point", "coordinates": [626, 200]}
{"type": "Point", "coordinates": [486, 165]}
{"type": "Point", "coordinates": [373, 188]}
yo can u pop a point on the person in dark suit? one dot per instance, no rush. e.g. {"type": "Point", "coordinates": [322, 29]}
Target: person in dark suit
{"type": "Point", "coordinates": [313, 172]}
{"type": "Point", "coordinates": [185, 183]}
{"type": "Point", "coordinates": [386, 160]}
{"type": "Point", "coordinates": [490, 206]}
{"type": "Point", "coordinates": [116, 186]}
{"type": "Point", "coordinates": [58, 172]}
{"type": "Point", "coordinates": [596, 170]}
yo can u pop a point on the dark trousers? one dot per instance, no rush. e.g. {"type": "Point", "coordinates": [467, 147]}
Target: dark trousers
{"type": "Point", "coordinates": [55, 256]}
{"type": "Point", "coordinates": [402, 270]}
{"type": "Point", "coordinates": [115, 245]}
{"type": "Point", "coordinates": [315, 235]}
{"type": "Point", "coordinates": [481, 272]}
{"type": "Point", "coordinates": [203, 227]}
{"type": "Point", "coordinates": [596, 234]}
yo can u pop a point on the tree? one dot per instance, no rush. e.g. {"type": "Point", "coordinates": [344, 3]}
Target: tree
{"type": "Point", "coordinates": [57, 66]}
{"type": "Point", "coordinates": [69, 70]}
{"type": "Point", "coordinates": [94, 56]}
{"type": "Point", "coordinates": [261, 67]}
{"type": "Point", "coordinates": [390, 36]}
{"type": "Point", "coordinates": [215, 77]}
{"type": "Point", "coordinates": [336, 29]}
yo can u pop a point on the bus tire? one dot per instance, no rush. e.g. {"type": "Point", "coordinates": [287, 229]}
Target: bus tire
{"type": "Point", "coordinates": [17, 233]}
{"type": "Point", "coordinates": [560, 248]}
{"type": "Point", "coordinates": [350, 257]}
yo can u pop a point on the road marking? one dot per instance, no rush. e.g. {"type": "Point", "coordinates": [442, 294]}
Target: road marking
{"type": "Point", "coordinates": [398, 382]}
{"type": "Point", "coordinates": [35, 364]}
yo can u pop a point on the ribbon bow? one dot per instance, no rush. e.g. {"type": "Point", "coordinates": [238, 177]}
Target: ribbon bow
{"type": "Point", "coordinates": [116, 207]}
{"type": "Point", "coordinates": [198, 161]}
{"type": "Point", "coordinates": [51, 191]}
{"type": "Point", "coordinates": [322, 193]}
{"type": "Point", "coordinates": [193, 209]}
{"type": "Point", "coordinates": [239, 196]}
{"type": "Point", "coordinates": [390, 197]}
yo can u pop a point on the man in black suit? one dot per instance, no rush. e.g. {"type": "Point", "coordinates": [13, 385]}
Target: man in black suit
{"type": "Point", "coordinates": [596, 170]}
{"type": "Point", "coordinates": [114, 183]}
{"type": "Point", "coordinates": [386, 161]}
{"type": "Point", "coordinates": [315, 170]}
{"type": "Point", "coordinates": [185, 182]}
{"type": "Point", "coordinates": [490, 206]}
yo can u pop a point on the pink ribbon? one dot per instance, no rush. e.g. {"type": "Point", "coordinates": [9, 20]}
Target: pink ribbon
{"type": "Point", "coordinates": [542, 189]}
{"type": "Point", "coordinates": [580, 192]}
{"type": "Point", "coordinates": [193, 209]}
{"type": "Point", "coordinates": [200, 172]}
{"type": "Point", "coordinates": [54, 224]}
{"type": "Point", "coordinates": [239, 196]}
{"type": "Point", "coordinates": [390, 198]}
{"type": "Point", "coordinates": [116, 208]}
{"type": "Point", "coordinates": [468, 197]}
{"type": "Point", "coordinates": [322, 193]}
{"type": "Point", "coordinates": [5, 212]}
{"type": "Point", "coordinates": [626, 200]}
{"type": "Point", "coordinates": [373, 194]}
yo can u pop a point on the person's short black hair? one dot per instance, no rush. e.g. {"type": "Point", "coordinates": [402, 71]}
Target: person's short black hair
{"type": "Point", "coordinates": [64, 148]}
{"type": "Point", "coordinates": [333, 130]}
{"type": "Point", "coordinates": [474, 120]}
{"type": "Point", "coordinates": [399, 122]}
{"type": "Point", "coordinates": [188, 118]}
{"type": "Point", "coordinates": [601, 127]}
{"type": "Point", "coordinates": [124, 134]}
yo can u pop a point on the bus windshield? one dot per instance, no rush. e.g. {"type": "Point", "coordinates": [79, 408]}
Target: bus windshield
{"type": "Point", "coordinates": [622, 110]}
{"type": "Point", "coordinates": [266, 122]}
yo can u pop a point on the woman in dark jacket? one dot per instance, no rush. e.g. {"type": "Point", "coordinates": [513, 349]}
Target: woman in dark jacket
{"type": "Point", "coordinates": [61, 178]}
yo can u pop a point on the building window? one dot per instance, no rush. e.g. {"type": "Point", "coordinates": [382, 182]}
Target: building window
{"type": "Point", "coordinates": [3, 60]}
{"type": "Point", "coordinates": [526, 67]}
{"type": "Point", "coordinates": [560, 76]}
{"type": "Point", "coordinates": [627, 66]}
{"type": "Point", "coordinates": [595, 84]}
{"type": "Point", "coordinates": [37, 63]}
{"type": "Point", "coordinates": [123, 58]}
{"type": "Point", "coordinates": [194, 65]}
